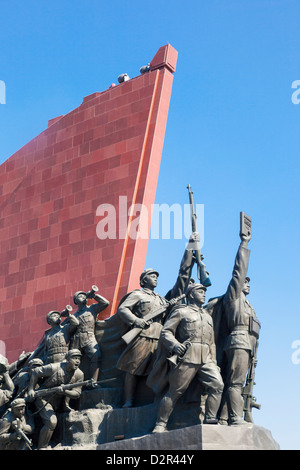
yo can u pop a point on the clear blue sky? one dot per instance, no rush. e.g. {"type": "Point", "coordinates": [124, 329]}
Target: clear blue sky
{"type": "Point", "coordinates": [232, 133]}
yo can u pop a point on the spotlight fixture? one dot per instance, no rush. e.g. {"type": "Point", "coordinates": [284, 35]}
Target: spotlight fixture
{"type": "Point", "coordinates": [145, 68]}
{"type": "Point", "coordinates": [124, 77]}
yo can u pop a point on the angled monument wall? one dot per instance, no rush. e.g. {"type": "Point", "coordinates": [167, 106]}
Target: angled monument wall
{"type": "Point", "coordinates": [50, 193]}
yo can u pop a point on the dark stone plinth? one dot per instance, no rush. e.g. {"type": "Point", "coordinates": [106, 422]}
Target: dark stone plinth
{"type": "Point", "coordinates": [104, 423]}
{"type": "Point", "coordinates": [201, 437]}
{"type": "Point", "coordinates": [107, 427]}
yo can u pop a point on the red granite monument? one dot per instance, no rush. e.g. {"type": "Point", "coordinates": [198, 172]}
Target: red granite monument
{"type": "Point", "coordinates": [53, 193]}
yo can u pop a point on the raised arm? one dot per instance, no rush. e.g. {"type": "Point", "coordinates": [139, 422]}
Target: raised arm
{"type": "Point", "coordinates": [101, 304]}
{"type": "Point", "coordinates": [185, 269]}
{"type": "Point", "coordinates": [240, 269]}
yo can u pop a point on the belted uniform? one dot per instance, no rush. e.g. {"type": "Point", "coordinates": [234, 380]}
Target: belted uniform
{"type": "Point", "coordinates": [192, 326]}
{"type": "Point", "coordinates": [57, 340]}
{"type": "Point", "coordinates": [53, 375]}
{"type": "Point", "coordinates": [243, 327]}
{"type": "Point", "coordinates": [84, 337]}
{"type": "Point", "coordinates": [139, 356]}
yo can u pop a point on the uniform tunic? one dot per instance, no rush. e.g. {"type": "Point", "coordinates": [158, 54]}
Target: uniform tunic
{"type": "Point", "coordinates": [241, 318]}
{"type": "Point", "coordinates": [84, 336]}
{"type": "Point", "coordinates": [57, 340]}
{"type": "Point", "coordinates": [243, 327]}
{"type": "Point", "coordinates": [138, 357]}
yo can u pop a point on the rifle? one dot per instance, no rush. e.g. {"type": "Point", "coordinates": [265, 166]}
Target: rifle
{"type": "Point", "coordinates": [21, 434]}
{"type": "Point", "coordinates": [247, 394]}
{"type": "Point", "coordinates": [43, 392]}
{"type": "Point", "coordinates": [135, 331]}
{"type": "Point", "coordinates": [202, 274]}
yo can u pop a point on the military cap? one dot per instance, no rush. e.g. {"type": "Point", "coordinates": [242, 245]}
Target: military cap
{"type": "Point", "coordinates": [18, 403]}
{"type": "Point", "coordinates": [35, 362]}
{"type": "Point", "coordinates": [194, 285]}
{"type": "Point", "coordinates": [147, 272]}
{"type": "Point", "coordinates": [49, 315]}
{"type": "Point", "coordinates": [72, 353]}
{"type": "Point", "coordinates": [76, 295]}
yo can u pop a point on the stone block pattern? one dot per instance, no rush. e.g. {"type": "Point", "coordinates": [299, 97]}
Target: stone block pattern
{"type": "Point", "coordinates": [110, 146]}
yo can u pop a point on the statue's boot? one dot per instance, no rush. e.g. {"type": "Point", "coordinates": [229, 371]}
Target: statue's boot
{"type": "Point", "coordinates": [165, 409]}
{"type": "Point", "coordinates": [129, 389]}
{"type": "Point", "coordinates": [212, 405]}
{"type": "Point", "coordinates": [235, 406]}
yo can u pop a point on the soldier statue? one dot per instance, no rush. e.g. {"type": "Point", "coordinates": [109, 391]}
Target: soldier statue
{"type": "Point", "coordinates": [22, 379]}
{"type": "Point", "coordinates": [84, 337]}
{"type": "Point", "coordinates": [15, 426]}
{"type": "Point", "coordinates": [243, 331]}
{"type": "Point", "coordinates": [189, 334]}
{"type": "Point", "coordinates": [55, 375]}
{"type": "Point", "coordinates": [138, 357]}
{"type": "Point", "coordinates": [58, 337]}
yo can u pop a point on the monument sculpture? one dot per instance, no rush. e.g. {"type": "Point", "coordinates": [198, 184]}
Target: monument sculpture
{"type": "Point", "coordinates": [154, 365]}
{"type": "Point", "coordinates": [137, 359]}
{"type": "Point", "coordinates": [15, 427]}
{"type": "Point", "coordinates": [237, 336]}
{"type": "Point", "coordinates": [84, 336]}
{"type": "Point", "coordinates": [55, 375]}
{"type": "Point", "coordinates": [57, 338]}
{"type": "Point", "coordinates": [188, 333]}
{"type": "Point", "coordinates": [181, 346]}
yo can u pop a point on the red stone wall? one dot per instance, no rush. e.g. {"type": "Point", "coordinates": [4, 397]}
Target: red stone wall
{"type": "Point", "coordinates": [50, 190]}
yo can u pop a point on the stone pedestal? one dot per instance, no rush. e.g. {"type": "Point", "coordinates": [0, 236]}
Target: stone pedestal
{"type": "Point", "coordinates": [110, 427]}
{"type": "Point", "coordinates": [200, 437]}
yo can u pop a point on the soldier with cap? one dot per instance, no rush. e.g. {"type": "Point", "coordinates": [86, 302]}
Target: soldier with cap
{"type": "Point", "coordinates": [138, 357]}
{"type": "Point", "coordinates": [57, 338]}
{"type": "Point", "coordinates": [243, 332]}
{"type": "Point", "coordinates": [22, 379]}
{"type": "Point", "coordinates": [189, 333]}
{"type": "Point", "coordinates": [55, 375]}
{"type": "Point", "coordinates": [15, 426]}
{"type": "Point", "coordinates": [84, 337]}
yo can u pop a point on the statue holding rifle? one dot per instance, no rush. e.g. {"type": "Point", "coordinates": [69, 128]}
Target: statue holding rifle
{"type": "Point", "coordinates": [54, 394]}
{"type": "Point", "coordinates": [158, 378]}
{"type": "Point", "coordinates": [202, 274]}
{"type": "Point", "coordinates": [188, 334]}
{"type": "Point", "coordinates": [138, 306]}
{"type": "Point", "coordinates": [240, 345]}
{"type": "Point", "coordinates": [16, 426]}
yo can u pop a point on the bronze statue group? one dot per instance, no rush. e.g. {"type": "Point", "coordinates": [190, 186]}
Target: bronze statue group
{"type": "Point", "coordinates": [175, 342]}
